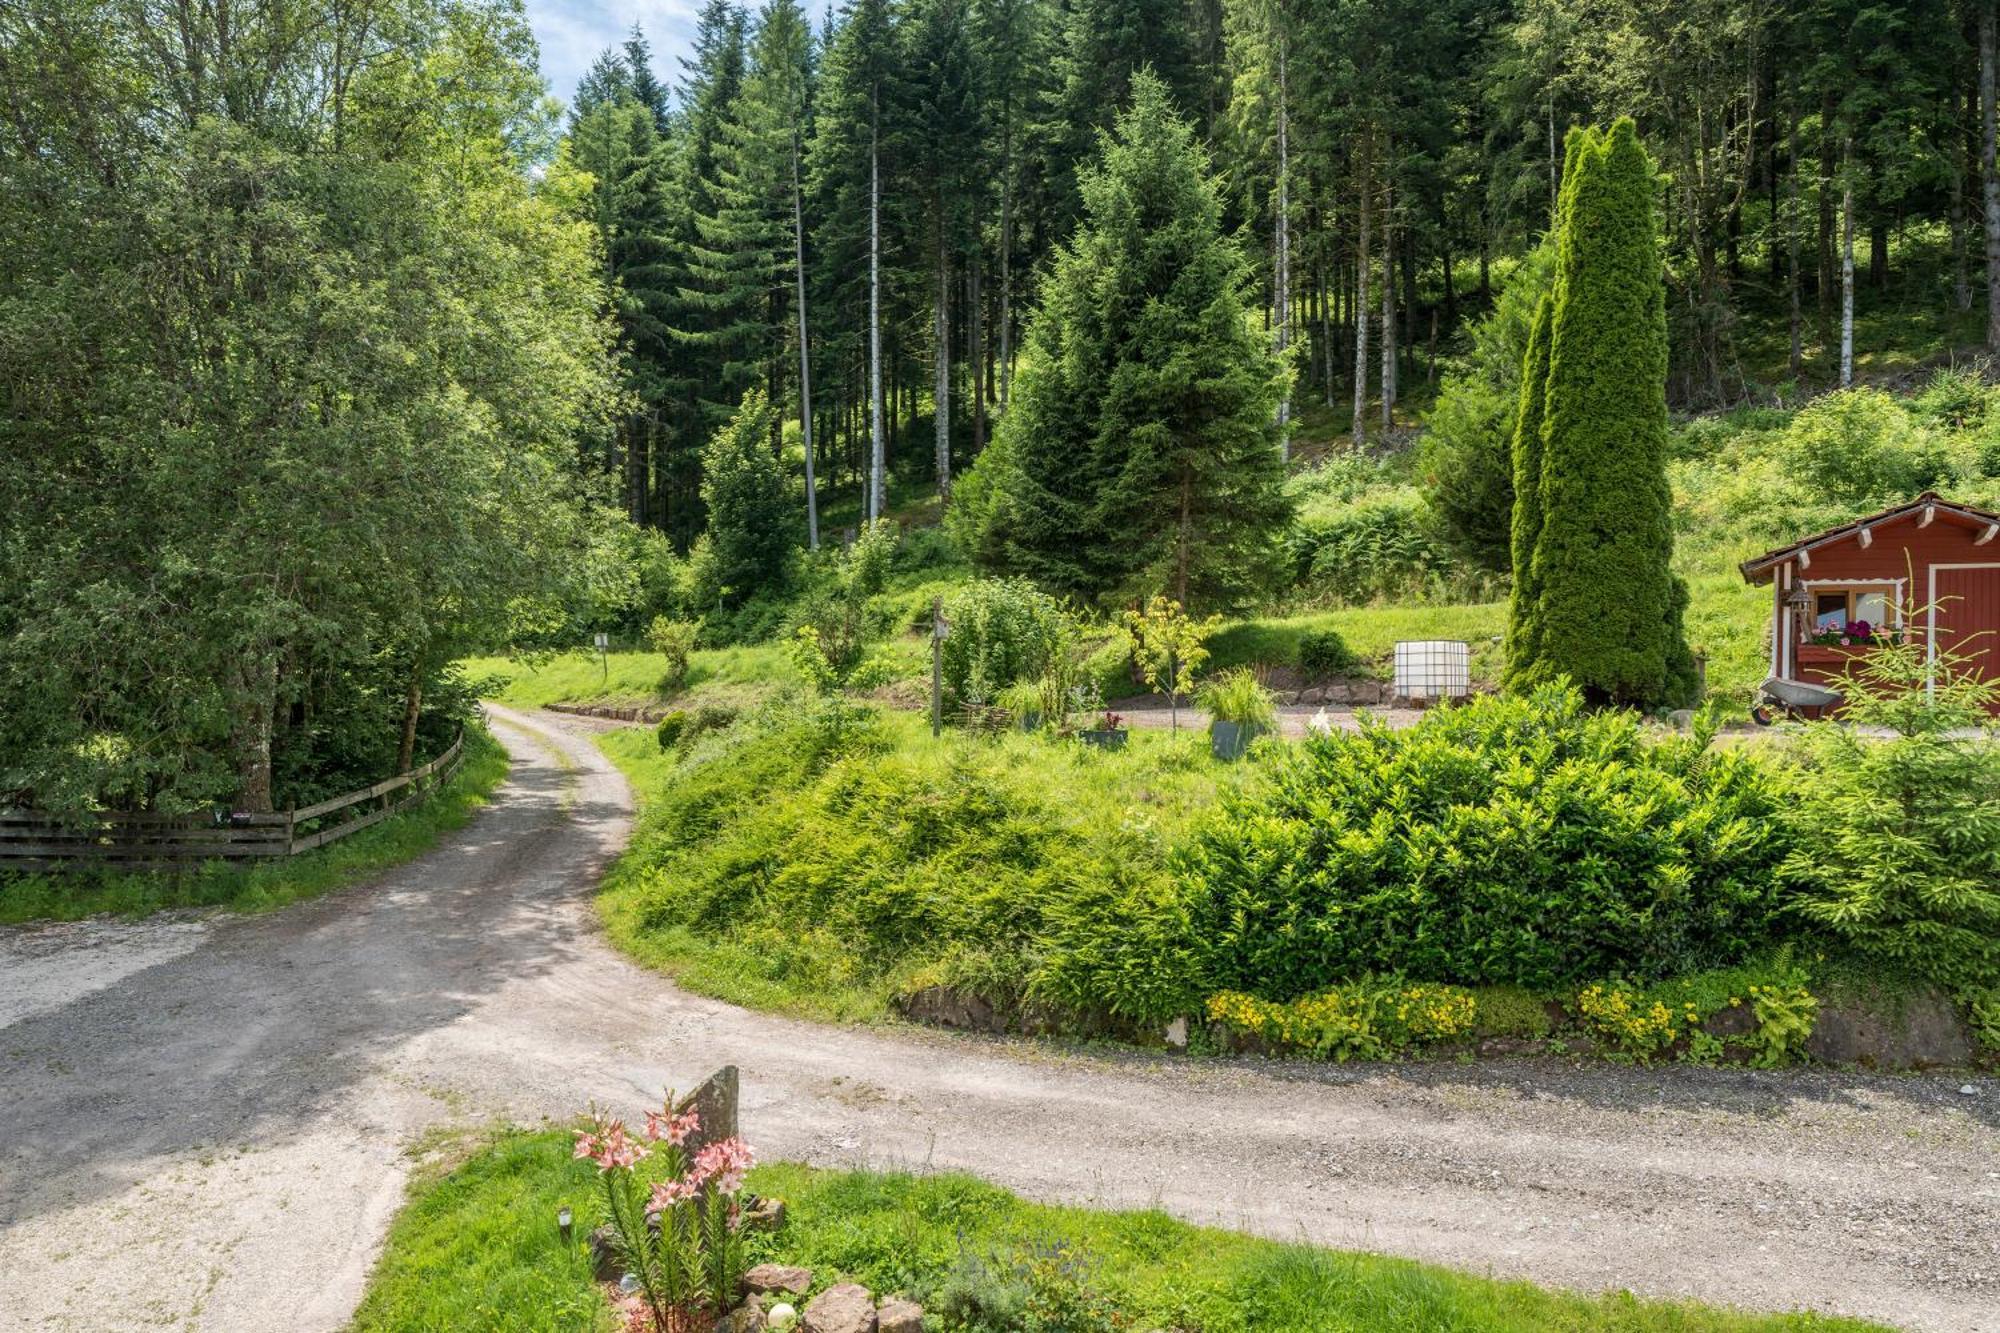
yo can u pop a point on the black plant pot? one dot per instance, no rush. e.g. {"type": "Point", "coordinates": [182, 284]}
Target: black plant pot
{"type": "Point", "coordinates": [1228, 740]}
{"type": "Point", "coordinates": [1106, 740]}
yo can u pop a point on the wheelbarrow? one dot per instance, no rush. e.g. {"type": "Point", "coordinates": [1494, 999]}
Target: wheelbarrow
{"type": "Point", "coordinates": [1793, 699]}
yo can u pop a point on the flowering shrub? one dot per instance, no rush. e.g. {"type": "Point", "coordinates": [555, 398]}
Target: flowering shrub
{"type": "Point", "coordinates": [679, 1237]}
{"type": "Point", "coordinates": [1644, 1024]}
{"type": "Point", "coordinates": [1365, 1020]}
{"type": "Point", "coordinates": [1630, 1022]}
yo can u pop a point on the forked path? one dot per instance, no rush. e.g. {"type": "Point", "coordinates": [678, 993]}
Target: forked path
{"type": "Point", "coordinates": [206, 1123]}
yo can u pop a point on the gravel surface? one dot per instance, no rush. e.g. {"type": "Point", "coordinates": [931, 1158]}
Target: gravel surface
{"type": "Point", "coordinates": [1294, 720]}
{"type": "Point", "coordinates": [206, 1123]}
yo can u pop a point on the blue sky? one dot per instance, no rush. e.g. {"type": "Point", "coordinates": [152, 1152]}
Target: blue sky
{"type": "Point", "coordinates": [572, 32]}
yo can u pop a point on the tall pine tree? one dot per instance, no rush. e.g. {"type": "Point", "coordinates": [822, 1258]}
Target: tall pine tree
{"type": "Point", "coordinates": [1140, 453]}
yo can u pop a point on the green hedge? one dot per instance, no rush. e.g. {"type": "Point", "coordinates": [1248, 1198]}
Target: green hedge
{"type": "Point", "coordinates": [1526, 841]}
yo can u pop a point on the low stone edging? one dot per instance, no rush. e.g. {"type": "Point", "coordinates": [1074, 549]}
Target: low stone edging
{"type": "Point", "coordinates": [632, 713]}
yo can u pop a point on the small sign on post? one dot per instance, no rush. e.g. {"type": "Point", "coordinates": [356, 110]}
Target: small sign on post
{"type": "Point", "coordinates": [603, 649]}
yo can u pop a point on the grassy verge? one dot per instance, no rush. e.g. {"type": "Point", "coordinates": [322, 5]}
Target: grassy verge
{"type": "Point", "coordinates": [259, 887]}
{"type": "Point", "coordinates": [628, 677]}
{"type": "Point", "coordinates": [774, 870]}
{"type": "Point", "coordinates": [477, 1248]}
{"type": "Point", "coordinates": [1372, 632]}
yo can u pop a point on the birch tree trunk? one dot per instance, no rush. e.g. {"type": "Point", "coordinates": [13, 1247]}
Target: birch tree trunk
{"type": "Point", "coordinates": [977, 349]}
{"type": "Point", "coordinates": [1798, 361]}
{"type": "Point", "coordinates": [1847, 264]}
{"type": "Point", "coordinates": [877, 458]}
{"type": "Point", "coordinates": [941, 330]}
{"type": "Point", "coordinates": [1361, 310]}
{"type": "Point", "coordinates": [1282, 268]}
{"type": "Point", "coordinates": [1989, 182]}
{"type": "Point", "coordinates": [1961, 277]}
{"type": "Point", "coordinates": [413, 703]}
{"type": "Point", "coordinates": [805, 358]}
{"type": "Point", "coordinates": [1388, 307]}
{"type": "Point", "coordinates": [1006, 262]}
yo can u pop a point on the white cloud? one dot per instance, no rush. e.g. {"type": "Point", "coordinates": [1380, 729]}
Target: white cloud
{"type": "Point", "coordinates": [573, 32]}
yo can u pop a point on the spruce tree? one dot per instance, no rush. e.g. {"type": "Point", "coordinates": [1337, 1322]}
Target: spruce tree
{"type": "Point", "coordinates": [1140, 453]}
{"type": "Point", "coordinates": [1599, 602]}
{"type": "Point", "coordinates": [752, 526]}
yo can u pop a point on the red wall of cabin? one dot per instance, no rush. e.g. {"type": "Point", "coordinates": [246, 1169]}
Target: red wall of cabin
{"type": "Point", "coordinates": [1903, 550]}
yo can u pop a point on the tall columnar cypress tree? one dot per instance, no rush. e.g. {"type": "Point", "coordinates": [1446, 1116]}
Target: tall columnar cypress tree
{"type": "Point", "coordinates": [1523, 650]}
{"type": "Point", "coordinates": [1598, 601]}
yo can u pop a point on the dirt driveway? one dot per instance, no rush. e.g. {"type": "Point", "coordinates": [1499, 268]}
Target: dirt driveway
{"type": "Point", "coordinates": [205, 1123]}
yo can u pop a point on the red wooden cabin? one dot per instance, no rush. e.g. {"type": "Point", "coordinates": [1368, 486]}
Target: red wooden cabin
{"type": "Point", "coordinates": [1928, 569]}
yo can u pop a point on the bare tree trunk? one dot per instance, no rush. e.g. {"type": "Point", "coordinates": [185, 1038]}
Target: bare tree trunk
{"type": "Point", "coordinates": [1989, 176]}
{"type": "Point", "coordinates": [975, 350]}
{"type": "Point", "coordinates": [1791, 245]}
{"type": "Point", "coordinates": [250, 732]}
{"type": "Point", "coordinates": [1388, 305]}
{"type": "Point", "coordinates": [877, 457]}
{"type": "Point", "coordinates": [1361, 310]}
{"type": "Point", "coordinates": [1283, 263]}
{"type": "Point", "coordinates": [1961, 275]}
{"type": "Point", "coordinates": [1326, 330]}
{"type": "Point", "coordinates": [1847, 265]}
{"type": "Point", "coordinates": [1555, 163]}
{"type": "Point", "coordinates": [941, 330]}
{"type": "Point", "coordinates": [805, 357]}
{"type": "Point", "coordinates": [413, 701]}
{"type": "Point", "coordinates": [1827, 222]}
{"type": "Point", "coordinates": [1007, 265]}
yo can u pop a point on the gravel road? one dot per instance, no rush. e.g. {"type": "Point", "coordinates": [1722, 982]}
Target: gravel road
{"type": "Point", "coordinates": [207, 1122]}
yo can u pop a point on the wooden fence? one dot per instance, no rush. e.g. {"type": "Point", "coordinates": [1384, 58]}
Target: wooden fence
{"type": "Point", "coordinates": [37, 840]}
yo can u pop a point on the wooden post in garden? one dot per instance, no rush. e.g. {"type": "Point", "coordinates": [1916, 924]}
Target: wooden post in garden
{"type": "Point", "coordinates": [937, 667]}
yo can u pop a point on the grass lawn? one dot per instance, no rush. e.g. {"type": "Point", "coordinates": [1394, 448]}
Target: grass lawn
{"type": "Point", "coordinates": [626, 677]}
{"type": "Point", "coordinates": [477, 1248]}
{"type": "Point", "coordinates": [261, 886]}
{"type": "Point", "coordinates": [1372, 632]}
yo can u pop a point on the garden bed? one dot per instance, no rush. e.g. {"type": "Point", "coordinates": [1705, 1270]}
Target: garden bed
{"type": "Point", "coordinates": [477, 1248]}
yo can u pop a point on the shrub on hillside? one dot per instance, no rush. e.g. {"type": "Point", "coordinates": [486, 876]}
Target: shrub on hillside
{"type": "Point", "coordinates": [1860, 449]}
{"type": "Point", "coordinates": [674, 640]}
{"type": "Point", "coordinates": [1897, 852]}
{"type": "Point", "coordinates": [1523, 840]}
{"type": "Point", "coordinates": [1377, 547]}
{"type": "Point", "coordinates": [1324, 653]}
{"type": "Point", "coordinates": [1002, 630]}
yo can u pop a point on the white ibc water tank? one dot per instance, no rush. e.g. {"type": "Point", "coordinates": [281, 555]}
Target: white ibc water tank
{"type": "Point", "coordinates": [1433, 669]}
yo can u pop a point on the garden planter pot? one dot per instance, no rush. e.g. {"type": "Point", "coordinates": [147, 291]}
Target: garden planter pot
{"type": "Point", "coordinates": [1106, 740]}
{"type": "Point", "coordinates": [1228, 740]}
{"type": "Point", "coordinates": [1029, 720]}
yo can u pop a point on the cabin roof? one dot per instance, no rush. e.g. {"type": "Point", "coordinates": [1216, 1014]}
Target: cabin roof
{"type": "Point", "coordinates": [1763, 568]}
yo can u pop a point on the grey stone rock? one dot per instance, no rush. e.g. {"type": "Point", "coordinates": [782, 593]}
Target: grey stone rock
{"type": "Point", "coordinates": [764, 1215]}
{"type": "Point", "coordinates": [1913, 1031]}
{"type": "Point", "coordinates": [604, 1253]}
{"type": "Point", "coordinates": [949, 1007]}
{"type": "Point", "coordinates": [769, 1279]}
{"type": "Point", "coordinates": [714, 1104]}
{"type": "Point", "coordinates": [745, 1318]}
{"type": "Point", "coordinates": [899, 1316]}
{"type": "Point", "coordinates": [847, 1308]}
